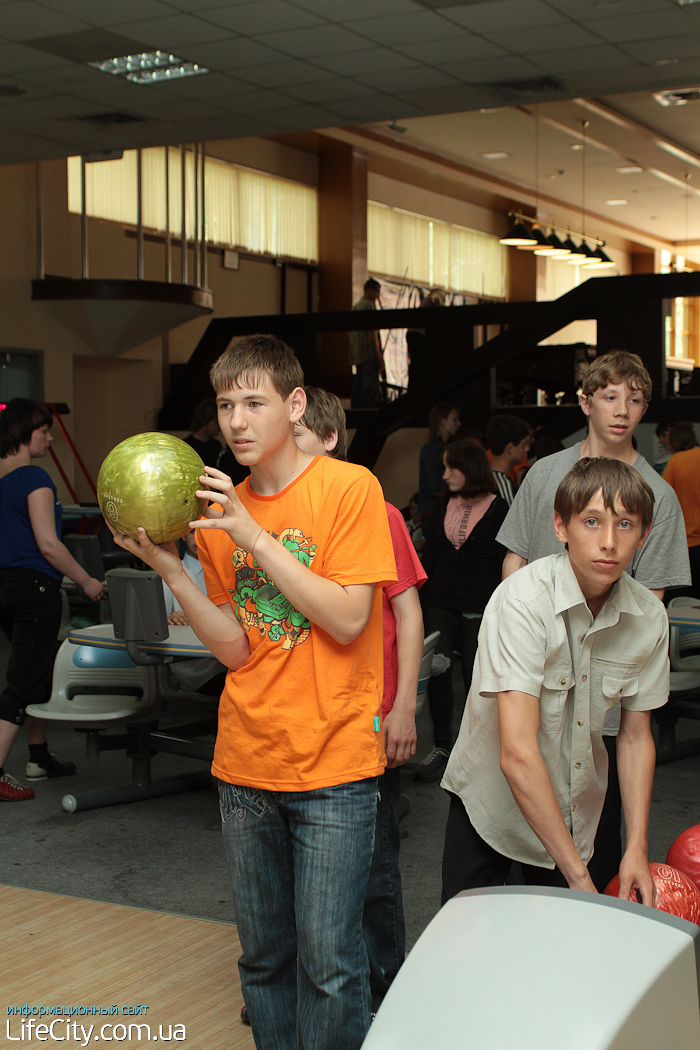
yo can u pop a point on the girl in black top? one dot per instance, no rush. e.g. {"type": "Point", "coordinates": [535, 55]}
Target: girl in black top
{"type": "Point", "coordinates": [463, 562]}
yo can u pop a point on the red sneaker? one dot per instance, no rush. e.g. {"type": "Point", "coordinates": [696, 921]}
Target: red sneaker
{"type": "Point", "coordinates": [244, 1014]}
{"type": "Point", "coordinates": [11, 791]}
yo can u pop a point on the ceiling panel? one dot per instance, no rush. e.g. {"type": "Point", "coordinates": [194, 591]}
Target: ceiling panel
{"type": "Point", "coordinates": [294, 65]}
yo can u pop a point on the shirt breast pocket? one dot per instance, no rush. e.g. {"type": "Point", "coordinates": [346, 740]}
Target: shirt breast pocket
{"type": "Point", "coordinates": [615, 683]}
{"type": "Point", "coordinates": [616, 686]}
{"type": "Point", "coordinates": [555, 689]}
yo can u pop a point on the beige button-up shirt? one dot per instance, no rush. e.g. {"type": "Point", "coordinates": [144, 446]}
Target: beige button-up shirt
{"type": "Point", "coordinates": [538, 637]}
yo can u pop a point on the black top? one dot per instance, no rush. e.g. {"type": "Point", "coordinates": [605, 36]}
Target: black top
{"type": "Point", "coordinates": [208, 450]}
{"type": "Point", "coordinates": [463, 579]}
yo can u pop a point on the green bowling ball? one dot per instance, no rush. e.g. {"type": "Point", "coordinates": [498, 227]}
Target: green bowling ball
{"type": "Point", "coordinates": [150, 480]}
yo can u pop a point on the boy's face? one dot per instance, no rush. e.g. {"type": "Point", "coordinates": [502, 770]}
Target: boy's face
{"type": "Point", "coordinates": [519, 452]}
{"type": "Point", "coordinates": [256, 422]}
{"type": "Point", "coordinates": [614, 412]}
{"type": "Point", "coordinates": [309, 442]}
{"type": "Point", "coordinates": [601, 543]}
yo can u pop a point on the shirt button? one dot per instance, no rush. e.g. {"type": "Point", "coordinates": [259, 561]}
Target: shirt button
{"type": "Point", "coordinates": [577, 765]}
{"type": "Point", "coordinates": [563, 681]}
{"type": "Point", "coordinates": [584, 677]}
{"type": "Point", "coordinates": [580, 721]}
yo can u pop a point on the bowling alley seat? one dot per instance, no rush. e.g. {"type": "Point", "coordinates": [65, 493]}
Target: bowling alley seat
{"type": "Point", "coordinates": [684, 692]}
{"type": "Point", "coordinates": [115, 684]}
{"type": "Point", "coordinates": [428, 649]}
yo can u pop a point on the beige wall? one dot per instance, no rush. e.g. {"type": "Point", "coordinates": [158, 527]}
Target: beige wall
{"type": "Point", "coordinates": [109, 399]}
{"type": "Point", "coordinates": [397, 466]}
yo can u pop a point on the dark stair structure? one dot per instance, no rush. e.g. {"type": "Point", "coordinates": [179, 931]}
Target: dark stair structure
{"type": "Point", "coordinates": [629, 311]}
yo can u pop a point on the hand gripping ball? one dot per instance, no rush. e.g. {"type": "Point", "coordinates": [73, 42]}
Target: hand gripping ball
{"type": "Point", "coordinates": [675, 893]}
{"type": "Point", "coordinates": [150, 480]}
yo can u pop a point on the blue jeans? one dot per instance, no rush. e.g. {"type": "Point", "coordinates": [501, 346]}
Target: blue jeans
{"type": "Point", "coordinates": [299, 863]}
{"type": "Point", "coordinates": [383, 926]}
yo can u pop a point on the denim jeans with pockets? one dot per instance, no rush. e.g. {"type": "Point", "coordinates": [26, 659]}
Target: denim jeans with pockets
{"type": "Point", "coordinates": [299, 863]}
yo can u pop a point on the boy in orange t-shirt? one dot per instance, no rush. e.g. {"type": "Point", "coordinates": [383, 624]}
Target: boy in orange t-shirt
{"type": "Point", "coordinates": [294, 559]}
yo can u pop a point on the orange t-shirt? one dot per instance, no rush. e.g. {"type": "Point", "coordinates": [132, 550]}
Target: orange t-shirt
{"type": "Point", "coordinates": [304, 711]}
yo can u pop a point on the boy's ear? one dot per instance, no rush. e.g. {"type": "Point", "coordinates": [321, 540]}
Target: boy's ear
{"type": "Point", "coordinates": [297, 403]}
{"type": "Point", "coordinates": [331, 441]}
{"type": "Point", "coordinates": [560, 528]}
{"type": "Point", "coordinates": [643, 537]}
{"type": "Point", "coordinates": [583, 402]}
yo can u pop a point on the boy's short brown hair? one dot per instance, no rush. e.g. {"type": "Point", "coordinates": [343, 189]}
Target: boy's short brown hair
{"type": "Point", "coordinates": [324, 414]}
{"type": "Point", "coordinates": [619, 366]}
{"type": "Point", "coordinates": [617, 482]}
{"type": "Point", "coordinates": [247, 361]}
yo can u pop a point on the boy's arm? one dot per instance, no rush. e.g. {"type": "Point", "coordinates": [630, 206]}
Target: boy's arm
{"type": "Point", "coordinates": [215, 626]}
{"type": "Point", "coordinates": [511, 563]}
{"type": "Point", "coordinates": [400, 723]}
{"type": "Point", "coordinates": [528, 779]}
{"type": "Point", "coordinates": [636, 758]}
{"type": "Point", "coordinates": [340, 611]}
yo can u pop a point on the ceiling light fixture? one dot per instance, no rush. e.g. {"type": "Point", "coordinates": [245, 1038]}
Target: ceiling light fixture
{"type": "Point", "coordinates": [496, 154]}
{"type": "Point", "coordinates": [518, 235]}
{"type": "Point", "coordinates": [616, 202]}
{"type": "Point", "coordinates": [575, 254]}
{"type": "Point", "coordinates": [555, 247]}
{"type": "Point", "coordinates": [629, 169]}
{"type": "Point", "coordinates": [540, 242]}
{"type": "Point", "coordinates": [149, 67]}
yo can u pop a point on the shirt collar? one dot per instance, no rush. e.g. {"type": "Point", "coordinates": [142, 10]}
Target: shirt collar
{"type": "Point", "coordinates": [568, 594]}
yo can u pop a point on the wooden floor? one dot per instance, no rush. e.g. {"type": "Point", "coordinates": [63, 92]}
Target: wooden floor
{"type": "Point", "coordinates": [63, 951]}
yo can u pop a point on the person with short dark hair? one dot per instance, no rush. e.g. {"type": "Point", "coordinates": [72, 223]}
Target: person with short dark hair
{"type": "Point", "coordinates": [563, 640]}
{"type": "Point", "coordinates": [662, 431]}
{"type": "Point", "coordinates": [463, 562]}
{"type": "Point", "coordinates": [204, 426]}
{"type": "Point", "coordinates": [322, 430]}
{"type": "Point", "coordinates": [366, 353]}
{"type": "Point", "coordinates": [33, 561]}
{"type": "Point", "coordinates": [508, 439]}
{"type": "Point", "coordinates": [682, 436]}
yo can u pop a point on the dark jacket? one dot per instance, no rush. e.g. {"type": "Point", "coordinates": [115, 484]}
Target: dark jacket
{"type": "Point", "coordinates": [464, 579]}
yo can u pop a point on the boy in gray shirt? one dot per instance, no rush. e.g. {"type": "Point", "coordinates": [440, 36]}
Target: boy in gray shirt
{"type": "Point", "coordinates": [616, 391]}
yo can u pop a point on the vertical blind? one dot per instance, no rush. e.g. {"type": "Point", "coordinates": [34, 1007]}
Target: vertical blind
{"type": "Point", "coordinates": [244, 209]}
{"type": "Point", "coordinates": [417, 248]}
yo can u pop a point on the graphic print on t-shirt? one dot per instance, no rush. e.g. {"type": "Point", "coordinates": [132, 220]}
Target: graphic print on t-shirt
{"type": "Point", "coordinates": [257, 602]}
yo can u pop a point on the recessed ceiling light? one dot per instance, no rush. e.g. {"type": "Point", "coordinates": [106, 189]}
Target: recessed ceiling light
{"type": "Point", "coordinates": [629, 169]}
{"type": "Point", "coordinates": [618, 200]}
{"type": "Point", "coordinates": [666, 62]}
{"type": "Point", "coordinates": [496, 154]}
{"type": "Point", "coordinates": [149, 67]}
{"type": "Point", "coordinates": [576, 146]}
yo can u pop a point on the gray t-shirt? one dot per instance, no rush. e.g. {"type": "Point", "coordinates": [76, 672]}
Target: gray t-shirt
{"type": "Point", "coordinates": [528, 529]}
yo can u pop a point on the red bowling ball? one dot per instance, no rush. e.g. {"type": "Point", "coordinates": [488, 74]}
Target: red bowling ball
{"type": "Point", "coordinates": [684, 854]}
{"type": "Point", "coordinates": [675, 893]}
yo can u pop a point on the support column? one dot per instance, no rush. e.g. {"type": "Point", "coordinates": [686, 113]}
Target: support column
{"type": "Point", "coordinates": [342, 241]}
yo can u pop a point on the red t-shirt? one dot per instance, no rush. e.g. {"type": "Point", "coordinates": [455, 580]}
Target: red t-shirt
{"type": "Point", "coordinates": [409, 573]}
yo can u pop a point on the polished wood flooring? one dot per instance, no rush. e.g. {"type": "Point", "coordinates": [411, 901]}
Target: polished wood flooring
{"type": "Point", "coordinates": [68, 952]}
